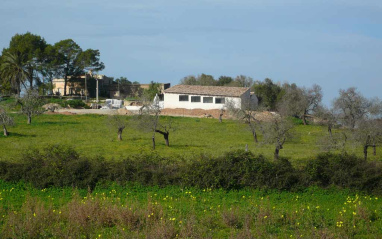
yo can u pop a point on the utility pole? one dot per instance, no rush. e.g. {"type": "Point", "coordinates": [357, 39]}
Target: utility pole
{"type": "Point", "coordinates": [97, 89]}
{"type": "Point", "coordinates": [86, 88]}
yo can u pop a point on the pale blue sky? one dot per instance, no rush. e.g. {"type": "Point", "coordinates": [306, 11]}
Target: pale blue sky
{"type": "Point", "coordinates": [333, 43]}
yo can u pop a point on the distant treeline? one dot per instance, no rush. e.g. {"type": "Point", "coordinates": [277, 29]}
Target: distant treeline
{"type": "Point", "coordinates": [60, 166]}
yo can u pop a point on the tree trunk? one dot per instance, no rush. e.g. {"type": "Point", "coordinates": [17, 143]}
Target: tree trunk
{"type": "Point", "coordinates": [120, 134]}
{"type": "Point", "coordinates": [374, 150]}
{"type": "Point", "coordinates": [254, 135]}
{"type": "Point", "coordinates": [221, 116]}
{"type": "Point", "coordinates": [31, 78]}
{"type": "Point", "coordinates": [153, 143]}
{"type": "Point", "coordinates": [29, 119]}
{"type": "Point", "coordinates": [166, 139]}
{"type": "Point", "coordinates": [330, 130]}
{"type": "Point", "coordinates": [65, 83]}
{"type": "Point", "coordinates": [5, 131]}
{"type": "Point", "coordinates": [276, 154]}
{"type": "Point", "coordinates": [165, 136]}
{"type": "Point", "coordinates": [304, 119]}
{"type": "Point", "coordinates": [365, 151]}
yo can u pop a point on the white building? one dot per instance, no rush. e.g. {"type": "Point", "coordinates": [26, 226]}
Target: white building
{"type": "Point", "coordinates": [205, 97]}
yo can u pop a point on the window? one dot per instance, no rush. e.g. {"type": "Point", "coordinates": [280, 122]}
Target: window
{"type": "Point", "coordinates": [195, 98]}
{"type": "Point", "coordinates": [219, 100]}
{"type": "Point", "coordinates": [183, 98]}
{"type": "Point", "coordinates": [208, 100]}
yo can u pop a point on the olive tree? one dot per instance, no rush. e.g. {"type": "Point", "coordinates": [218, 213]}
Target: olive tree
{"type": "Point", "coordinates": [300, 102]}
{"type": "Point", "coordinates": [31, 104]}
{"type": "Point", "coordinates": [150, 119]}
{"type": "Point", "coordinates": [244, 113]}
{"type": "Point", "coordinates": [368, 134]}
{"type": "Point", "coordinates": [165, 126]}
{"type": "Point", "coordinates": [118, 123]}
{"type": "Point", "coordinates": [352, 107]}
{"type": "Point", "coordinates": [5, 120]}
{"type": "Point", "coordinates": [276, 132]}
{"type": "Point", "coordinates": [327, 117]}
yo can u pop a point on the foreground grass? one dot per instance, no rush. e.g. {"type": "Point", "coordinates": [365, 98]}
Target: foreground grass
{"type": "Point", "coordinates": [113, 211]}
{"type": "Point", "coordinates": [91, 136]}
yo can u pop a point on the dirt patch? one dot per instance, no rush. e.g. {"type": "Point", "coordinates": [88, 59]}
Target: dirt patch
{"type": "Point", "coordinates": [266, 116]}
{"type": "Point", "coordinates": [59, 113]}
{"type": "Point", "coordinates": [194, 113]}
{"type": "Point", "coordinates": [261, 116]}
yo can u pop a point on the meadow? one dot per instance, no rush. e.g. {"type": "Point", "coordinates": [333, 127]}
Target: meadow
{"type": "Point", "coordinates": [92, 136]}
{"type": "Point", "coordinates": [132, 210]}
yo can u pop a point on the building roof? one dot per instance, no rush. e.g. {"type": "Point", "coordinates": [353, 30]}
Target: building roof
{"type": "Point", "coordinates": [207, 90]}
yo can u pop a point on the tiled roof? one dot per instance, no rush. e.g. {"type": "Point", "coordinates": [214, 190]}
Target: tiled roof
{"type": "Point", "coordinates": [207, 90]}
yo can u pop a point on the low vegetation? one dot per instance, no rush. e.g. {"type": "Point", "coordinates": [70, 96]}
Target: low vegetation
{"type": "Point", "coordinates": [133, 211]}
{"type": "Point", "coordinates": [91, 136]}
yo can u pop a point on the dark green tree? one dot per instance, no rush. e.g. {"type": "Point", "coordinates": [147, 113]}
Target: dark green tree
{"type": "Point", "coordinates": [206, 80]}
{"type": "Point", "coordinates": [89, 60]}
{"type": "Point", "coordinates": [243, 81]}
{"type": "Point", "coordinates": [50, 66]}
{"type": "Point", "coordinates": [224, 80]}
{"type": "Point", "coordinates": [190, 80]}
{"type": "Point", "coordinates": [68, 52]}
{"type": "Point", "coordinates": [13, 70]}
{"type": "Point", "coordinates": [267, 93]}
{"type": "Point", "coordinates": [154, 89]}
{"type": "Point", "coordinates": [32, 48]}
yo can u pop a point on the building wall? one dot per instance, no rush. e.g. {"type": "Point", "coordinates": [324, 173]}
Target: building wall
{"type": "Point", "coordinates": [171, 101]}
{"type": "Point", "coordinates": [77, 85]}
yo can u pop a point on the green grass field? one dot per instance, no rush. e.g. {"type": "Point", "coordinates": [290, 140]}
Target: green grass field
{"type": "Point", "coordinates": [112, 211]}
{"type": "Point", "coordinates": [134, 211]}
{"type": "Point", "coordinates": [91, 136]}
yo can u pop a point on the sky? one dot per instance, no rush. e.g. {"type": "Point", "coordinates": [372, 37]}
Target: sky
{"type": "Point", "coordinates": [336, 44]}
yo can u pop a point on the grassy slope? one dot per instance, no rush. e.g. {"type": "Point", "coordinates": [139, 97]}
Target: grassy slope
{"type": "Point", "coordinates": [91, 135]}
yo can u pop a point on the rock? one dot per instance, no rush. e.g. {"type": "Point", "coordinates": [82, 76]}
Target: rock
{"type": "Point", "coordinates": [124, 111]}
{"type": "Point", "coordinates": [51, 107]}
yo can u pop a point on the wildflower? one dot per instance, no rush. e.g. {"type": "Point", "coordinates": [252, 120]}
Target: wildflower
{"type": "Point", "coordinates": [265, 217]}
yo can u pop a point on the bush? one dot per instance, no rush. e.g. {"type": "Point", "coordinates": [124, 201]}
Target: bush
{"type": "Point", "coordinates": [77, 104]}
{"type": "Point", "coordinates": [240, 169]}
{"type": "Point", "coordinates": [345, 171]}
{"type": "Point", "coordinates": [61, 166]}
{"type": "Point", "coordinates": [146, 169]}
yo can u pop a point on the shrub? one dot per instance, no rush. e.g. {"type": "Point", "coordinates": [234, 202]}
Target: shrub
{"type": "Point", "coordinates": [76, 104]}
{"type": "Point", "coordinates": [239, 169]}
{"type": "Point", "coordinates": [60, 166]}
{"type": "Point", "coordinates": [346, 171]}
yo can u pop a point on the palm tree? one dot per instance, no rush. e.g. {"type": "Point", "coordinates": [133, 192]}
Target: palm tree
{"type": "Point", "coordinates": [13, 69]}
